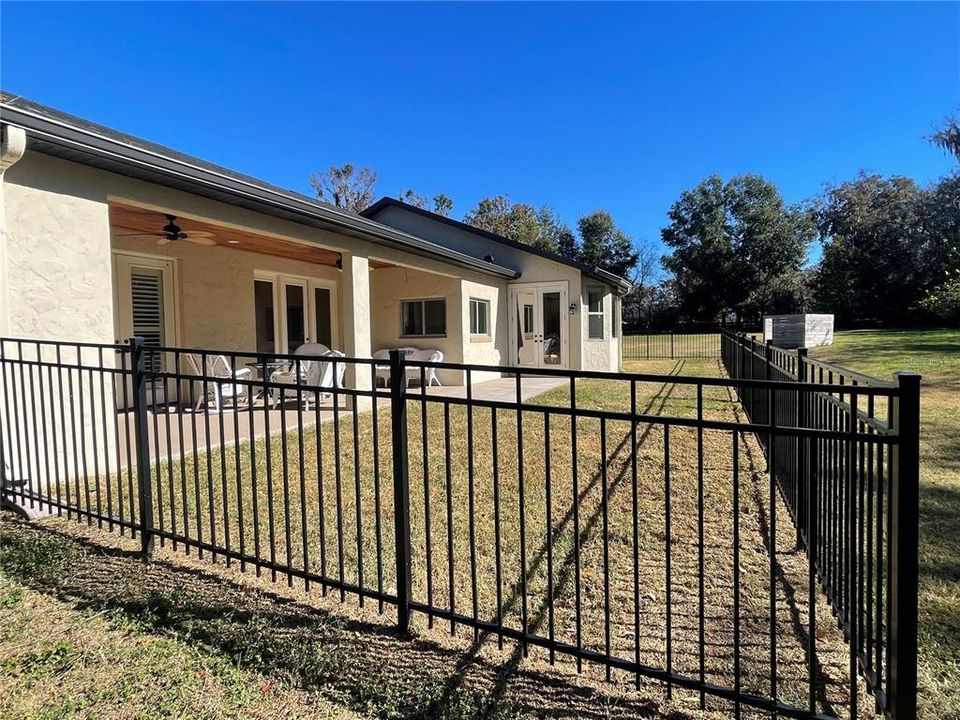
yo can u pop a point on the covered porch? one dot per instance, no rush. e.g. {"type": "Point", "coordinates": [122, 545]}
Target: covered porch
{"type": "Point", "coordinates": [186, 282]}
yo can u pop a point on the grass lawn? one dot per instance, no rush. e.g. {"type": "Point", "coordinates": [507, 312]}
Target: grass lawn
{"type": "Point", "coordinates": [936, 355]}
{"type": "Point", "coordinates": [85, 658]}
{"type": "Point", "coordinates": [313, 518]}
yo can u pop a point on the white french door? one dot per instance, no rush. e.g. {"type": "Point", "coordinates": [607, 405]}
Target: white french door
{"type": "Point", "coordinates": [145, 306]}
{"type": "Point", "coordinates": [538, 325]}
{"type": "Point", "coordinates": [291, 311]}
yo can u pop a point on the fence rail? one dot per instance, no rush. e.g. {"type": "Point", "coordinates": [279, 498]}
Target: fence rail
{"type": "Point", "coordinates": [603, 522]}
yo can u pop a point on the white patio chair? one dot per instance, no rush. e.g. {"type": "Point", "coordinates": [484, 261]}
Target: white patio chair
{"type": "Point", "coordinates": [429, 374]}
{"type": "Point", "coordinates": [320, 371]}
{"type": "Point", "coordinates": [216, 376]}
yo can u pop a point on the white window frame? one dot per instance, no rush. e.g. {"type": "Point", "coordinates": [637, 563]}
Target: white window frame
{"type": "Point", "coordinates": [596, 313]}
{"type": "Point", "coordinates": [616, 325]}
{"type": "Point", "coordinates": [402, 301]}
{"type": "Point", "coordinates": [479, 303]}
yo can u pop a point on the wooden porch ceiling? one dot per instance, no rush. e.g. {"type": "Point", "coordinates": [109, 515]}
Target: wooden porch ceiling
{"type": "Point", "coordinates": [127, 219]}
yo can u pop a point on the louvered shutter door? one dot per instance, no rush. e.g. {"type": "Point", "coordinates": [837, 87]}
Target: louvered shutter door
{"type": "Point", "coordinates": [146, 292]}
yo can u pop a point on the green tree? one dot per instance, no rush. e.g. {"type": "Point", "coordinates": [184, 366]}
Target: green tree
{"type": "Point", "coordinates": [412, 197]}
{"type": "Point", "coordinates": [345, 186]}
{"type": "Point", "coordinates": [947, 137]}
{"type": "Point", "coordinates": [733, 243]}
{"type": "Point", "coordinates": [942, 222]}
{"type": "Point", "coordinates": [441, 204]}
{"type": "Point", "coordinates": [639, 305]}
{"type": "Point", "coordinates": [600, 243]}
{"type": "Point", "coordinates": [538, 227]}
{"type": "Point", "coordinates": [877, 257]}
{"type": "Point", "coordinates": [943, 300]}
{"type": "Point", "coordinates": [604, 245]}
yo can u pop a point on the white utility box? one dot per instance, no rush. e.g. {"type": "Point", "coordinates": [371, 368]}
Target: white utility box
{"type": "Point", "coordinates": [796, 331]}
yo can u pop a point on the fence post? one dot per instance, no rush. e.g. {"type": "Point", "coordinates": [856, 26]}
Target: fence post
{"type": "Point", "coordinates": [401, 485]}
{"type": "Point", "coordinates": [803, 444]}
{"type": "Point", "coordinates": [671, 344]}
{"type": "Point", "coordinates": [904, 577]}
{"type": "Point", "coordinates": [141, 442]}
{"type": "Point", "coordinates": [768, 404]}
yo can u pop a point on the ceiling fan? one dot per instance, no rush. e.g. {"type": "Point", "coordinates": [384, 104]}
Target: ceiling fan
{"type": "Point", "coordinates": [171, 232]}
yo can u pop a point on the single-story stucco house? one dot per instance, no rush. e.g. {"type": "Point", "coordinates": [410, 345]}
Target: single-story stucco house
{"type": "Point", "coordinates": [86, 214]}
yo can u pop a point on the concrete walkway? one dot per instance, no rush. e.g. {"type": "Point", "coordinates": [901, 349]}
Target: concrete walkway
{"type": "Point", "coordinates": [499, 390]}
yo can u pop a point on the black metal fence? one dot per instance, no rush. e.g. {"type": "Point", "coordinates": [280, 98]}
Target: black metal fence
{"type": "Point", "coordinates": [682, 342]}
{"type": "Point", "coordinates": [853, 498]}
{"type": "Point", "coordinates": [603, 520]}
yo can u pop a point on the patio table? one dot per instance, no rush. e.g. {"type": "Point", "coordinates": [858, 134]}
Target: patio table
{"type": "Point", "coordinates": [270, 366]}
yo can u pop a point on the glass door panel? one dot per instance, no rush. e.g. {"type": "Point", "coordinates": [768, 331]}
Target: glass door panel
{"type": "Point", "coordinates": [263, 304]}
{"type": "Point", "coordinates": [322, 313]}
{"type": "Point", "coordinates": [551, 344]}
{"type": "Point", "coordinates": [538, 333]}
{"type": "Point", "coordinates": [295, 315]}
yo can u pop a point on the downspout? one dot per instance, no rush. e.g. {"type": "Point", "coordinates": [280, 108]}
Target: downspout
{"type": "Point", "coordinates": [13, 143]}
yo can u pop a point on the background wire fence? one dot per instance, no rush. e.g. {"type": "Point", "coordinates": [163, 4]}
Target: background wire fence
{"type": "Point", "coordinates": [681, 342]}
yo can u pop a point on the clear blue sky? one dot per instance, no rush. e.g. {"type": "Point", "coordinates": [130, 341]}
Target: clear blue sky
{"type": "Point", "coordinates": [580, 106]}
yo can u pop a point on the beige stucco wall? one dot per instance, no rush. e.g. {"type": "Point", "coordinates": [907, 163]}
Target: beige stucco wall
{"type": "Point", "coordinates": [57, 277]}
{"type": "Point", "coordinates": [58, 255]}
{"type": "Point", "coordinates": [43, 444]}
{"type": "Point", "coordinates": [491, 349]}
{"type": "Point", "coordinates": [390, 286]}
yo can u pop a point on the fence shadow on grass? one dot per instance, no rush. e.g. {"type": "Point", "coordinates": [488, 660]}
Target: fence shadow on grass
{"type": "Point", "coordinates": [367, 666]}
{"type": "Point", "coordinates": [787, 587]}
{"type": "Point", "coordinates": [566, 565]}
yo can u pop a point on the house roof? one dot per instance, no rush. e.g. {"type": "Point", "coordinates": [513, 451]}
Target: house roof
{"type": "Point", "coordinates": [56, 133]}
{"type": "Point", "coordinates": [596, 273]}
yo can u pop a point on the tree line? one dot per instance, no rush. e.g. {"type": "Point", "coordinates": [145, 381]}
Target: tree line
{"type": "Point", "coordinates": [737, 251]}
{"type": "Point", "coordinates": [890, 250]}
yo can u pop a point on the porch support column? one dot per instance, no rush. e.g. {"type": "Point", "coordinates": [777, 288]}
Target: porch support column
{"type": "Point", "coordinates": [357, 327]}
